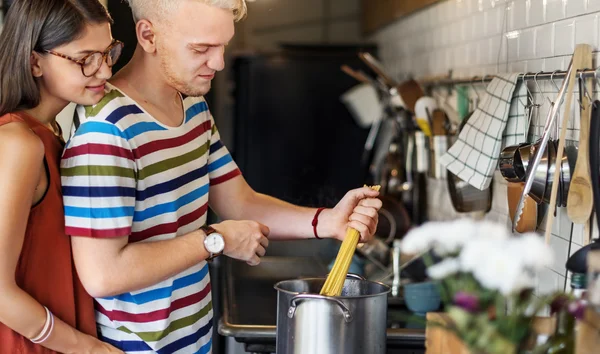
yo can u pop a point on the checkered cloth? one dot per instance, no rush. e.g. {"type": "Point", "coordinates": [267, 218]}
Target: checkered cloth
{"type": "Point", "coordinates": [500, 120]}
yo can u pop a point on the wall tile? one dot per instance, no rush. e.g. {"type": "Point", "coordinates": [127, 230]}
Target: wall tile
{"type": "Point", "coordinates": [513, 46]}
{"type": "Point", "coordinates": [544, 41]}
{"type": "Point", "coordinates": [527, 44]}
{"type": "Point", "coordinates": [560, 248]}
{"type": "Point", "coordinates": [593, 6]}
{"type": "Point", "coordinates": [586, 30]}
{"type": "Point", "coordinates": [564, 38]}
{"type": "Point", "coordinates": [517, 12]}
{"type": "Point", "coordinates": [575, 7]}
{"type": "Point", "coordinates": [549, 282]}
{"type": "Point", "coordinates": [535, 12]}
{"type": "Point", "coordinates": [555, 10]}
{"type": "Point", "coordinates": [470, 39]}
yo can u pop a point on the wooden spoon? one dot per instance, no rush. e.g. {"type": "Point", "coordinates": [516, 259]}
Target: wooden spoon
{"type": "Point", "coordinates": [580, 202]}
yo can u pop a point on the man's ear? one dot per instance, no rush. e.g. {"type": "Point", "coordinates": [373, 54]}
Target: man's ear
{"type": "Point", "coordinates": [146, 35]}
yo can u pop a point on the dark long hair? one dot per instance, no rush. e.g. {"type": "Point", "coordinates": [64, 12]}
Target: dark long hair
{"type": "Point", "coordinates": [38, 25]}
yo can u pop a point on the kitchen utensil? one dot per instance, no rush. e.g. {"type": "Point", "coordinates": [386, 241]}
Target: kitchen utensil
{"type": "Point", "coordinates": [377, 67]}
{"type": "Point", "coordinates": [528, 221]}
{"type": "Point", "coordinates": [511, 164]}
{"type": "Point", "coordinates": [308, 323]}
{"type": "Point", "coordinates": [423, 297]}
{"type": "Point", "coordinates": [567, 167]}
{"type": "Point", "coordinates": [424, 108]}
{"type": "Point", "coordinates": [410, 91]}
{"type": "Point", "coordinates": [582, 59]}
{"type": "Point", "coordinates": [594, 156]}
{"type": "Point", "coordinates": [540, 174]}
{"type": "Point", "coordinates": [396, 253]}
{"type": "Point", "coordinates": [439, 142]}
{"type": "Point", "coordinates": [543, 143]}
{"type": "Point", "coordinates": [357, 75]}
{"type": "Point", "coordinates": [581, 202]}
{"type": "Point", "coordinates": [578, 262]}
{"type": "Point", "coordinates": [466, 198]}
{"type": "Point", "coordinates": [364, 104]}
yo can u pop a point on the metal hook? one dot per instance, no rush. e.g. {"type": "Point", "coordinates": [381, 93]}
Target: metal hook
{"type": "Point", "coordinates": [553, 82]}
{"type": "Point", "coordinates": [474, 89]}
{"type": "Point", "coordinates": [585, 90]}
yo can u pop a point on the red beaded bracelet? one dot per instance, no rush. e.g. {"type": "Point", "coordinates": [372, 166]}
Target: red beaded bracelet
{"type": "Point", "coordinates": [316, 221]}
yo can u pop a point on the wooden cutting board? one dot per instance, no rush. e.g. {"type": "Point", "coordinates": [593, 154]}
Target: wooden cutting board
{"type": "Point", "coordinates": [528, 221]}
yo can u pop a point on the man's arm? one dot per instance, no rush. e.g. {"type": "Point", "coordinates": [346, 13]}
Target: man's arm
{"type": "Point", "coordinates": [235, 199]}
{"type": "Point", "coordinates": [99, 190]}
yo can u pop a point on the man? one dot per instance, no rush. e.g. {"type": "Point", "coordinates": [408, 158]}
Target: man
{"type": "Point", "coordinates": [141, 171]}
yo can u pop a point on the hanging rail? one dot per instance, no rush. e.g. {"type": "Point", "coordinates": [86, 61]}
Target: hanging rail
{"type": "Point", "coordinates": [542, 75]}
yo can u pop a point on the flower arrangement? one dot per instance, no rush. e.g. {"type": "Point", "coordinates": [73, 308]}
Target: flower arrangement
{"type": "Point", "coordinates": [487, 279]}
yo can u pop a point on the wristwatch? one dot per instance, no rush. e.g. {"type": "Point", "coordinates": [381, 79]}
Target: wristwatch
{"type": "Point", "coordinates": [213, 242]}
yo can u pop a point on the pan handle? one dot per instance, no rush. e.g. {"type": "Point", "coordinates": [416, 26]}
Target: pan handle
{"type": "Point", "coordinates": [294, 302]}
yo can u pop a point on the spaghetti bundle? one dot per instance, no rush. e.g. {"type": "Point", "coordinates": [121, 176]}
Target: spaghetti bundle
{"type": "Point", "coordinates": [336, 278]}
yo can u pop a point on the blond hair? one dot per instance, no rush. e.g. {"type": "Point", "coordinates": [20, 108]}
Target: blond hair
{"type": "Point", "coordinates": [145, 9]}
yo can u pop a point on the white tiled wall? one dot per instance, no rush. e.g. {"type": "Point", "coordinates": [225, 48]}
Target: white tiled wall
{"type": "Point", "coordinates": [474, 37]}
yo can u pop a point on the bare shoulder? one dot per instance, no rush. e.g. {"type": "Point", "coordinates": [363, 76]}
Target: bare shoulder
{"type": "Point", "coordinates": [20, 143]}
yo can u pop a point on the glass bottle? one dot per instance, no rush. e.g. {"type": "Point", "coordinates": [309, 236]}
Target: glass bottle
{"type": "Point", "coordinates": [563, 339]}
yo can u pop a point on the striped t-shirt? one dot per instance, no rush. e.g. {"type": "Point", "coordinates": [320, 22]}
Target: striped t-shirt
{"type": "Point", "coordinates": [126, 174]}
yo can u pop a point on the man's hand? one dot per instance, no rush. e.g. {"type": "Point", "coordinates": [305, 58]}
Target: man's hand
{"type": "Point", "coordinates": [358, 209]}
{"type": "Point", "coordinates": [244, 240]}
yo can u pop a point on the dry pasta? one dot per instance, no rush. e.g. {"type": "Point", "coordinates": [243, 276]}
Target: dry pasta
{"type": "Point", "coordinates": [336, 278]}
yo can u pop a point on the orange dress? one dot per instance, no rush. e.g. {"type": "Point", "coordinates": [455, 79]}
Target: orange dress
{"type": "Point", "coordinates": [45, 269]}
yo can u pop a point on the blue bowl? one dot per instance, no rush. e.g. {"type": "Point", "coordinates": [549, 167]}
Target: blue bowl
{"type": "Point", "coordinates": [421, 298]}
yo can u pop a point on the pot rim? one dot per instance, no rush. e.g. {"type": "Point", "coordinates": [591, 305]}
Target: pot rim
{"type": "Point", "coordinates": [387, 288]}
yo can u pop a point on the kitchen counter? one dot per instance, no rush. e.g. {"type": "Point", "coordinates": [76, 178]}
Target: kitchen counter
{"type": "Point", "coordinates": [250, 304]}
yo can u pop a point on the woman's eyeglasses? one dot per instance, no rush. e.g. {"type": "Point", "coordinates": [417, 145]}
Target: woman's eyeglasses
{"type": "Point", "coordinates": [92, 62]}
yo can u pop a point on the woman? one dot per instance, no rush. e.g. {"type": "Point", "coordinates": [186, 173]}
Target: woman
{"type": "Point", "coordinates": [53, 52]}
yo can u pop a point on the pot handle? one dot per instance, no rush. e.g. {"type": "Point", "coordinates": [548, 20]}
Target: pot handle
{"type": "Point", "coordinates": [301, 297]}
{"type": "Point", "coordinates": [355, 276]}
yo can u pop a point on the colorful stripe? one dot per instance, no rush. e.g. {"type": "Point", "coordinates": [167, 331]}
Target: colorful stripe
{"type": "Point", "coordinates": [126, 175]}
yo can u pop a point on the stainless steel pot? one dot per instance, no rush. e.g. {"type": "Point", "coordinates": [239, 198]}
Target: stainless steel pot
{"type": "Point", "coordinates": [308, 323]}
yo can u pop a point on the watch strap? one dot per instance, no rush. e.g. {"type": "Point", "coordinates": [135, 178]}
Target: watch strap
{"type": "Point", "coordinates": [207, 229]}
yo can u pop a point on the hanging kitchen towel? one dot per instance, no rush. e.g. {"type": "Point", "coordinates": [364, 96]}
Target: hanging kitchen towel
{"type": "Point", "coordinates": [498, 121]}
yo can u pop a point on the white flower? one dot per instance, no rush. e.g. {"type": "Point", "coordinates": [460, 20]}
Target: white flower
{"type": "Point", "coordinates": [454, 236]}
{"type": "Point", "coordinates": [476, 252]}
{"type": "Point", "coordinates": [492, 230]}
{"type": "Point", "coordinates": [503, 273]}
{"type": "Point", "coordinates": [444, 268]}
{"type": "Point", "coordinates": [532, 250]}
{"type": "Point", "coordinates": [444, 237]}
{"type": "Point", "coordinates": [419, 240]}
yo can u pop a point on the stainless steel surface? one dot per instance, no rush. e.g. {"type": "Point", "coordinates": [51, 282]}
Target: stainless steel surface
{"type": "Point", "coordinates": [567, 169]}
{"type": "Point", "coordinates": [552, 146]}
{"type": "Point", "coordinates": [328, 325]}
{"type": "Point", "coordinates": [525, 157]}
{"type": "Point", "coordinates": [540, 174]}
{"type": "Point", "coordinates": [556, 75]}
{"type": "Point", "coordinates": [422, 152]}
{"type": "Point", "coordinates": [396, 268]}
{"type": "Point", "coordinates": [543, 143]}
{"type": "Point", "coordinates": [510, 163]}
{"type": "Point", "coordinates": [376, 251]}
{"type": "Point", "coordinates": [440, 147]}
{"type": "Point", "coordinates": [250, 302]}
{"type": "Point", "coordinates": [466, 198]}
{"type": "Point", "coordinates": [298, 298]}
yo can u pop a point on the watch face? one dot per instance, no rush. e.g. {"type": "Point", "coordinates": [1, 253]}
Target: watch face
{"type": "Point", "coordinates": [214, 243]}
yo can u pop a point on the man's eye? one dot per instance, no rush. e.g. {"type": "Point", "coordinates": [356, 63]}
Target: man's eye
{"type": "Point", "coordinates": [201, 50]}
